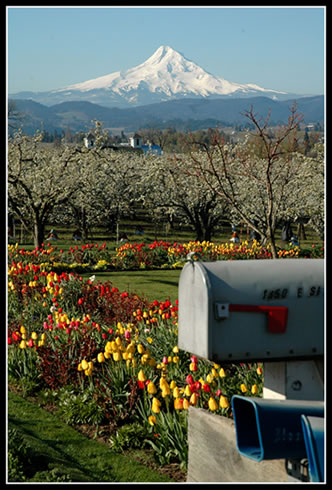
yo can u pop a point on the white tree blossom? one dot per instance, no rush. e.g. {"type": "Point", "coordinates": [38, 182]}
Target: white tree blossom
{"type": "Point", "coordinates": [168, 190]}
{"type": "Point", "coordinates": [262, 183]}
{"type": "Point", "coordinates": [39, 178]}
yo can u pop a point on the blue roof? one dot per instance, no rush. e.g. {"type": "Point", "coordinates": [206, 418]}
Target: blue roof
{"type": "Point", "coordinates": [155, 149]}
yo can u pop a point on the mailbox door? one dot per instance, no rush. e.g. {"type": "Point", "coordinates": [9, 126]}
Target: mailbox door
{"type": "Point", "coordinates": [194, 310]}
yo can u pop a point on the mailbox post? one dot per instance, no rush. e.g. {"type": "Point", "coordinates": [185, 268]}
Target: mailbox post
{"type": "Point", "coordinates": [259, 310]}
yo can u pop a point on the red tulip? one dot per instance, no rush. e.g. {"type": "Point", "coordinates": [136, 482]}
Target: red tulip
{"type": "Point", "coordinates": [198, 385]}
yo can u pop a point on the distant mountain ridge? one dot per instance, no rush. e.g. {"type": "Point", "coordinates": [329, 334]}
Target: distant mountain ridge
{"type": "Point", "coordinates": [77, 115]}
{"type": "Point", "coordinates": [166, 75]}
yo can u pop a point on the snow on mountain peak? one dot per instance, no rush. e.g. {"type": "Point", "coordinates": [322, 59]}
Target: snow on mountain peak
{"type": "Point", "coordinates": [167, 73]}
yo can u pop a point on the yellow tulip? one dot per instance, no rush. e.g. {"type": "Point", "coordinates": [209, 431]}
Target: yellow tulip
{"type": "Point", "coordinates": [114, 346]}
{"type": "Point", "coordinates": [185, 404]}
{"type": "Point", "coordinates": [155, 405]}
{"type": "Point", "coordinates": [131, 348]}
{"type": "Point", "coordinates": [85, 365]}
{"type": "Point", "coordinates": [243, 388]}
{"type": "Point", "coordinates": [152, 388]}
{"type": "Point", "coordinates": [144, 359]}
{"type": "Point", "coordinates": [193, 399]}
{"type": "Point", "coordinates": [176, 392]}
{"type": "Point", "coordinates": [222, 373]}
{"type": "Point", "coordinates": [117, 356]}
{"type": "Point", "coordinates": [108, 347]}
{"type": "Point", "coordinates": [214, 373]}
{"type": "Point", "coordinates": [141, 376]}
{"type": "Point", "coordinates": [23, 344]}
{"type": "Point", "coordinates": [223, 402]}
{"type": "Point", "coordinates": [176, 349]}
{"type": "Point", "coordinates": [22, 329]}
{"type": "Point", "coordinates": [101, 357]}
{"type": "Point", "coordinates": [212, 404]}
{"type": "Point", "coordinates": [172, 384]}
{"type": "Point", "coordinates": [165, 391]}
{"type": "Point", "coordinates": [187, 391]}
{"type": "Point", "coordinates": [140, 349]}
{"type": "Point", "coordinates": [254, 389]}
{"type": "Point", "coordinates": [34, 336]}
{"type": "Point", "coordinates": [259, 370]}
{"type": "Point", "coordinates": [152, 420]}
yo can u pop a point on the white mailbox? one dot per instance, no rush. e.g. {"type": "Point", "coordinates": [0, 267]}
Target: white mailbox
{"type": "Point", "coordinates": [252, 309]}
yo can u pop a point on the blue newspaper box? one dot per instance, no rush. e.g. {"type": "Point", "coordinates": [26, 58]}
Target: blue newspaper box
{"type": "Point", "coordinates": [272, 429]}
{"type": "Point", "coordinates": [313, 431]}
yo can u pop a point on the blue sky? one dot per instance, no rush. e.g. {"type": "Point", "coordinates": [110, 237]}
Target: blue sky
{"type": "Point", "coordinates": [278, 48]}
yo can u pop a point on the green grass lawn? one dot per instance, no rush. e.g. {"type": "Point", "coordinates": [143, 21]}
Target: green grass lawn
{"type": "Point", "coordinates": [59, 450]}
{"type": "Point", "coordinates": [151, 284]}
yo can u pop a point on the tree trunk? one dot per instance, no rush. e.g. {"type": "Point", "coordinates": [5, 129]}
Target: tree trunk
{"type": "Point", "coordinates": [38, 232]}
{"type": "Point", "coordinates": [199, 232]}
{"type": "Point", "coordinates": [271, 239]}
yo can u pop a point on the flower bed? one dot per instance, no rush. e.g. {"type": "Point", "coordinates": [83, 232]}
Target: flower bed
{"type": "Point", "coordinates": [111, 358]}
{"type": "Point", "coordinates": [159, 254]}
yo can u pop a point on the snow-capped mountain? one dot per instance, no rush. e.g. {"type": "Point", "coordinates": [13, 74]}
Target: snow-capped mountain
{"type": "Point", "coordinates": [166, 75]}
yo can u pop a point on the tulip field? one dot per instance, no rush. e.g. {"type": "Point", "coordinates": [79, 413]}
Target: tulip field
{"type": "Point", "coordinates": [108, 358]}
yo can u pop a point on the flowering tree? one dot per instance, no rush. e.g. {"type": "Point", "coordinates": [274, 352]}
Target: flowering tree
{"type": "Point", "coordinates": [108, 187]}
{"type": "Point", "coordinates": [167, 189]}
{"type": "Point", "coordinates": [311, 196]}
{"type": "Point", "coordinates": [263, 179]}
{"type": "Point", "coordinates": [105, 186]}
{"type": "Point", "coordinates": [40, 177]}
